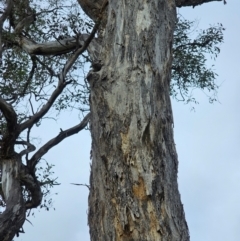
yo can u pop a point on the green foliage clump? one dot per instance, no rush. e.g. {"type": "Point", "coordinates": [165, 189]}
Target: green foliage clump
{"type": "Point", "coordinates": [190, 63]}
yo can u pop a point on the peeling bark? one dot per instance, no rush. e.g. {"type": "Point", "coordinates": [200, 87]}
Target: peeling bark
{"type": "Point", "coordinates": [133, 185]}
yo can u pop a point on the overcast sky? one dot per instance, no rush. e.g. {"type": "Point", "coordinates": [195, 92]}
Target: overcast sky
{"type": "Point", "coordinates": [208, 145]}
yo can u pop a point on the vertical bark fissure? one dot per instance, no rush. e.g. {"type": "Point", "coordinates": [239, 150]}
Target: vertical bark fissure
{"type": "Point", "coordinates": [134, 193]}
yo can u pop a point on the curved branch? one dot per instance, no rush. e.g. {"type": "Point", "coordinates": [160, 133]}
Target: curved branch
{"type": "Point", "coordinates": [33, 185]}
{"type": "Point", "coordinates": [30, 147]}
{"type": "Point", "coordinates": [36, 117]}
{"type": "Point", "coordinates": [88, 186]}
{"type": "Point", "coordinates": [56, 140]}
{"type": "Point", "coordinates": [9, 114]}
{"type": "Point", "coordinates": [29, 180]}
{"type": "Point", "coordinates": [30, 77]}
{"type": "Point", "coordinates": [7, 146]}
{"type": "Point", "coordinates": [74, 57]}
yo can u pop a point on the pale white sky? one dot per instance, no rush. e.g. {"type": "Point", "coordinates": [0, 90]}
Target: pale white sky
{"type": "Point", "coordinates": [207, 142]}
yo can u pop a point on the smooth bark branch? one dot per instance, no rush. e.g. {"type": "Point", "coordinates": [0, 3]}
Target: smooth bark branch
{"type": "Point", "coordinates": [53, 142]}
{"type": "Point", "coordinates": [48, 48]}
{"type": "Point", "coordinates": [186, 3]}
{"type": "Point", "coordinates": [57, 47]}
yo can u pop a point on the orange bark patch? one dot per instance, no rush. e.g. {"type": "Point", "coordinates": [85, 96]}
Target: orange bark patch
{"type": "Point", "coordinates": [154, 221]}
{"type": "Point", "coordinates": [117, 223]}
{"type": "Point", "coordinates": [139, 189]}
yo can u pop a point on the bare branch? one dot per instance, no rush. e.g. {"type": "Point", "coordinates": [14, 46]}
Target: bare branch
{"type": "Point", "coordinates": [62, 46]}
{"type": "Point", "coordinates": [34, 66]}
{"type": "Point", "coordinates": [186, 3]}
{"type": "Point", "coordinates": [49, 69]}
{"type": "Point", "coordinates": [48, 48]}
{"type": "Point", "coordinates": [56, 140]}
{"type": "Point", "coordinates": [88, 186]}
{"type": "Point", "coordinates": [74, 57]}
{"type": "Point", "coordinates": [30, 147]}
{"type": "Point", "coordinates": [37, 116]}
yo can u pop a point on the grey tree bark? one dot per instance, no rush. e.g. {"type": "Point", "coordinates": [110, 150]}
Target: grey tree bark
{"type": "Point", "coordinates": [133, 185]}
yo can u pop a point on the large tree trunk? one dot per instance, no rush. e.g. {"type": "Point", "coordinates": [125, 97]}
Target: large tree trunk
{"type": "Point", "coordinates": [134, 192]}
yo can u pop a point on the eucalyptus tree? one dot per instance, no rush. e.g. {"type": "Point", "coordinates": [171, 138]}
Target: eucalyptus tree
{"type": "Point", "coordinates": [132, 49]}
